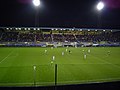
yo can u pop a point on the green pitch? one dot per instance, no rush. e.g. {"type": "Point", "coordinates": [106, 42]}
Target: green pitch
{"type": "Point", "coordinates": [32, 66]}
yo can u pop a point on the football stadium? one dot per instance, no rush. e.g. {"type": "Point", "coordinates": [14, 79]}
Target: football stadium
{"type": "Point", "coordinates": [60, 44]}
{"type": "Point", "coordinates": [58, 56]}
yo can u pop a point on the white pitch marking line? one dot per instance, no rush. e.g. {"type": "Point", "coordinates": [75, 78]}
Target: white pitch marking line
{"type": "Point", "coordinates": [6, 57]}
{"type": "Point", "coordinates": [106, 62]}
{"type": "Point", "coordinates": [96, 80]}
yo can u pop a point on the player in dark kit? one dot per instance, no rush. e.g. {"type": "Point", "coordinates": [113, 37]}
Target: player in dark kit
{"type": "Point", "coordinates": [69, 51]}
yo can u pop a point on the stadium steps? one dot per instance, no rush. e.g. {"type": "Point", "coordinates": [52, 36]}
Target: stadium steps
{"type": "Point", "coordinates": [76, 38]}
{"type": "Point", "coordinates": [18, 36]}
{"type": "Point", "coordinates": [1, 36]}
{"type": "Point", "coordinates": [63, 38]}
{"type": "Point", "coordinates": [52, 38]}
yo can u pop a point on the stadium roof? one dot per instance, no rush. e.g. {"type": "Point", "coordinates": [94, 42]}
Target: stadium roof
{"type": "Point", "coordinates": [53, 28]}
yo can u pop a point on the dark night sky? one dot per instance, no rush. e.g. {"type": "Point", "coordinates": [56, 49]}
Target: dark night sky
{"type": "Point", "coordinates": [60, 13]}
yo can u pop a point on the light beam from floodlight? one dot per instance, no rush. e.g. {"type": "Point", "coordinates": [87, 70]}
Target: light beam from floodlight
{"type": "Point", "coordinates": [100, 6]}
{"type": "Point", "coordinates": [36, 3]}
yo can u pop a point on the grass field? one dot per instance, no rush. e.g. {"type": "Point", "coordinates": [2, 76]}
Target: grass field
{"type": "Point", "coordinates": [17, 66]}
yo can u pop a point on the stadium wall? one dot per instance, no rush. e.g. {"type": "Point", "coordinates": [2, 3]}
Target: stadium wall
{"type": "Point", "coordinates": [57, 44]}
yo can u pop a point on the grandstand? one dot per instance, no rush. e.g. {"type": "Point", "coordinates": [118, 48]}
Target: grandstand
{"type": "Point", "coordinates": [65, 36]}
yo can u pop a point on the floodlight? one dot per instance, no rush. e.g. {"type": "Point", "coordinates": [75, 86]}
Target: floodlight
{"type": "Point", "coordinates": [100, 6]}
{"type": "Point", "coordinates": [80, 29]}
{"type": "Point", "coordinates": [36, 3]}
{"type": "Point", "coordinates": [19, 28]}
{"type": "Point", "coordinates": [88, 29]}
{"type": "Point", "coordinates": [28, 28]}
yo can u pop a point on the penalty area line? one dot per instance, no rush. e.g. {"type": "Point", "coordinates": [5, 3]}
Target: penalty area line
{"type": "Point", "coordinates": [6, 57]}
{"type": "Point", "coordinates": [104, 61]}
